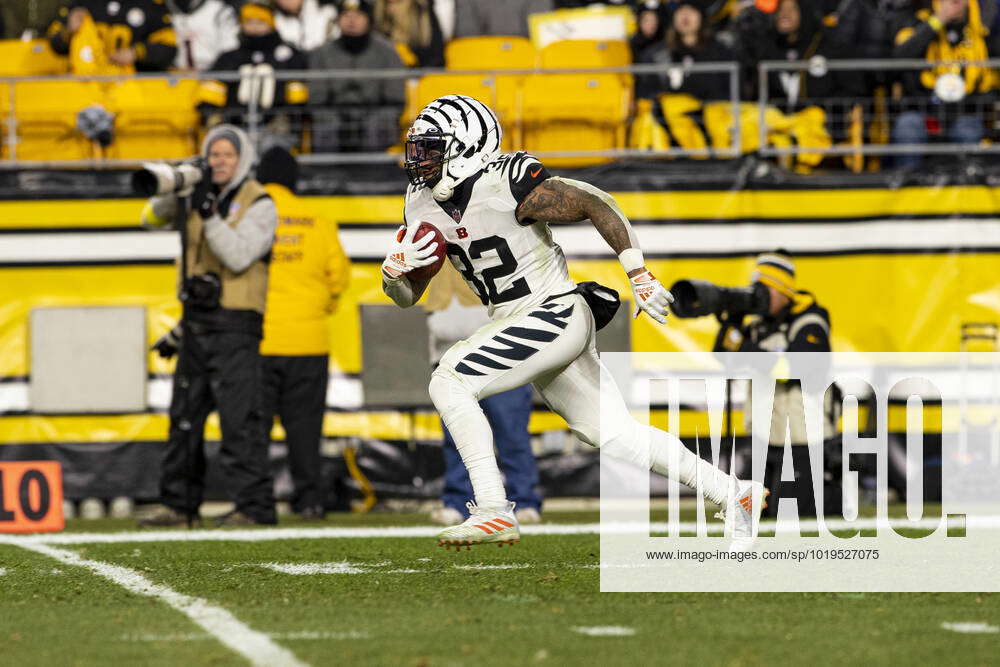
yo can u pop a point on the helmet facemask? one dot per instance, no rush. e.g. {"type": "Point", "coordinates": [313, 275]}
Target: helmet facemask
{"type": "Point", "coordinates": [427, 154]}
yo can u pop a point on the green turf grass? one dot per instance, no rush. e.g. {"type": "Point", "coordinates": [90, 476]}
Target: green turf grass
{"type": "Point", "coordinates": [441, 615]}
{"type": "Point", "coordinates": [55, 614]}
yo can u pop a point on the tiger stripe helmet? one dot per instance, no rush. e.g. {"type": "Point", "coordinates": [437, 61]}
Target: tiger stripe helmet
{"type": "Point", "coordinates": [452, 138]}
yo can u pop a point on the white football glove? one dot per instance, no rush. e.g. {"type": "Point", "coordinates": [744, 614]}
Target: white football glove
{"type": "Point", "coordinates": [407, 254]}
{"type": "Point", "coordinates": [651, 296]}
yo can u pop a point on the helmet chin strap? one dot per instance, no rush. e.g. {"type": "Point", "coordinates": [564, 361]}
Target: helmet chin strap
{"type": "Point", "coordinates": [444, 189]}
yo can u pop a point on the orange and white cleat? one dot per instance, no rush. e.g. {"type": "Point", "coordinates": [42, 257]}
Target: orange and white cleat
{"type": "Point", "coordinates": [742, 514]}
{"type": "Point", "coordinates": [484, 526]}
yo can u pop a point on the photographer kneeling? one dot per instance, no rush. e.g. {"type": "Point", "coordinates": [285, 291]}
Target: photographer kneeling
{"type": "Point", "coordinates": [227, 232]}
{"type": "Point", "coordinates": [772, 315]}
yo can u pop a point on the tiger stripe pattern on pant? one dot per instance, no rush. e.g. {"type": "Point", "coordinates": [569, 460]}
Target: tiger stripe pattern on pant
{"type": "Point", "coordinates": [515, 350]}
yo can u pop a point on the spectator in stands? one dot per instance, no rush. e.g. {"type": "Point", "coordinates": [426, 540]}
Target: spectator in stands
{"type": "Point", "coordinates": [445, 12]}
{"type": "Point", "coordinates": [309, 272]}
{"type": "Point", "coordinates": [229, 228]}
{"type": "Point", "coordinates": [951, 94]}
{"type": "Point", "coordinates": [413, 27]}
{"type": "Point", "coordinates": [652, 18]}
{"type": "Point", "coordinates": [862, 27]}
{"type": "Point", "coordinates": [355, 114]}
{"type": "Point", "coordinates": [718, 12]}
{"type": "Point", "coordinates": [114, 37]}
{"type": "Point", "coordinates": [305, 24]}
{"type": "Point", "coordinates": [688, 40]}
{"type": "Point", "coordinates": [455, 313]}
{"type": "Point", "coordinates": [474, 18]}
{"type": "Point", "coordinates": [794, 31]}
{"type": "Point", "coordinates": [205, 30]}
{"type": "Point", "coordinates": [260, 54]}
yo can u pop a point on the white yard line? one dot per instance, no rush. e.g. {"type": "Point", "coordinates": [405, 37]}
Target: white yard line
{"type": "Point", "coordinates": [604, 631]}
{"type": "Point", "coordinates": [315, 568]}
{"type": "Point", "coordinates": [972, 628]}
{"type": "Point", "coordinates": [255, 646]}
{"type": "Point", "coordinates": [269, 534]}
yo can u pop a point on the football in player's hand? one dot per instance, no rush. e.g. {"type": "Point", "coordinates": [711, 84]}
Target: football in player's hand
{"type": "Point", "coordinates": [425, 273]}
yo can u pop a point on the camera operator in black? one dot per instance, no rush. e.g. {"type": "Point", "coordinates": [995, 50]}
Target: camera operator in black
{"type": "Point", "coordinates": [794, 322]}
{"type": "Point", "coordinates": [228, 233]}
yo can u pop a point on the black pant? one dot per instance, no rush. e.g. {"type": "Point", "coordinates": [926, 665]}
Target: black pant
{"type": "Point", "coordinates": [295, 390]}
{"type": "Point", "coordinates": [218, 370]}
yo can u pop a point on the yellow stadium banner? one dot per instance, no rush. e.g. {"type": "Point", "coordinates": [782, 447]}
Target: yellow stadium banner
{"type": "Point", "coordinates": [898, 270]}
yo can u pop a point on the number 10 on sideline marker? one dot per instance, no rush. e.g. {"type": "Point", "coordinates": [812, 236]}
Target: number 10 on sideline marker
{"type": "Point", "coordinates": [31, 497]}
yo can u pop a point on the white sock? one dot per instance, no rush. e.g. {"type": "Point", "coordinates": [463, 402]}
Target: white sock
{"type": "Point", "coordinates": [670, 458]}
{"type": "Point", "coordinates": [474, 439]}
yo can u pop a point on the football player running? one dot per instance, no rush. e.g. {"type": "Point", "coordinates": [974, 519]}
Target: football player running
{"type": "Point", "coordinates": [493, 210]}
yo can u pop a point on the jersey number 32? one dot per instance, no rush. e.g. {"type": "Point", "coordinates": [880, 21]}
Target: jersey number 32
{"type": "Point", "coordinates": [481, 252]}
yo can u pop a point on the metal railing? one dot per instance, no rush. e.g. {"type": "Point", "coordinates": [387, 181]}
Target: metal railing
{"type": "Point", "coordinates": [890, 73]}
{"type": "Point", "coordinates": [528, 125]}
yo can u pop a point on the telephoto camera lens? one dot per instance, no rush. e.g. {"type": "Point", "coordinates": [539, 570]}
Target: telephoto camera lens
{"type": "Point", "coordinates": [160, 178]}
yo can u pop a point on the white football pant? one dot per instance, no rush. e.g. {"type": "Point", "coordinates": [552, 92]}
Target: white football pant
{"type": "Point", "coordinates": [553, 347]}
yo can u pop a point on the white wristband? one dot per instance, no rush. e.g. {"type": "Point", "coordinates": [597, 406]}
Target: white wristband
{"type": "Point", "coordinates": [631, 259]}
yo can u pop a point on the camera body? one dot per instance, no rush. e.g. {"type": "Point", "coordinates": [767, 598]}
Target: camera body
{"type": "Point", "coordinates": [161, 178]}
{"type": "Point", "coordinates": [697, 298]}
{"type": "Point", "coordinates": [202, 292]}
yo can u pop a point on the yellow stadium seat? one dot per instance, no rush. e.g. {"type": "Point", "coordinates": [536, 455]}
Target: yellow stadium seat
{"type": "Point", "coordinates": [490, 53]}
{"type": "Point", "coordinates": [32, 58]}
{"type": "Point", "coordinates": [575, 112]}
{"type": "Point", "coordinates": [4, 118]}
{"type": "Point", "coordinates": [502, 93]}
{"type": "Point", "coordinates": [46, 119]}
{"type": "Point", "coordinates": [155, 118]}
{"type": "Point", "coordinates": [585, 53]}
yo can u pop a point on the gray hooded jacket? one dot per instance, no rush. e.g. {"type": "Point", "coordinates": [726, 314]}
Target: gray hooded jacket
{"type": "Point", "coordinates": [252, 238]}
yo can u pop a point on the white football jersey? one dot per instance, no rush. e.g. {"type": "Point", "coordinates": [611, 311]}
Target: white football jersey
{"type": "Point", "coordinates": [510, 266]}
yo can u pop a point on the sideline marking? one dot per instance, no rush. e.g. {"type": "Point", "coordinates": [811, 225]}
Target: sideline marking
{"type": "Point", "coordinates": [501, 566]}
{"type": "Point", "coordinates": [972, 628]}
{"type": "Point", "coordinates": [255, 646]}
{"type": "Point", "coordinates": [604, 630]}
{"type": "Point", "coordinates": [268, 534]}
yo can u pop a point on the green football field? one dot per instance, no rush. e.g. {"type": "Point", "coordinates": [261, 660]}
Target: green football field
{"type": "Point", "coordinates": [403, 601]}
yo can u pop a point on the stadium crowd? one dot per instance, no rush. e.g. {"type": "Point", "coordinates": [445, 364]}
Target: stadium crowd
{"type": "Point", "coordinates": [816, 106]}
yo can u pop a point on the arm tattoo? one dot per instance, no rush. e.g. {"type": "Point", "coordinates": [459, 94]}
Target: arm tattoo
{"type": "Point", "coordinates": [557, 201]}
